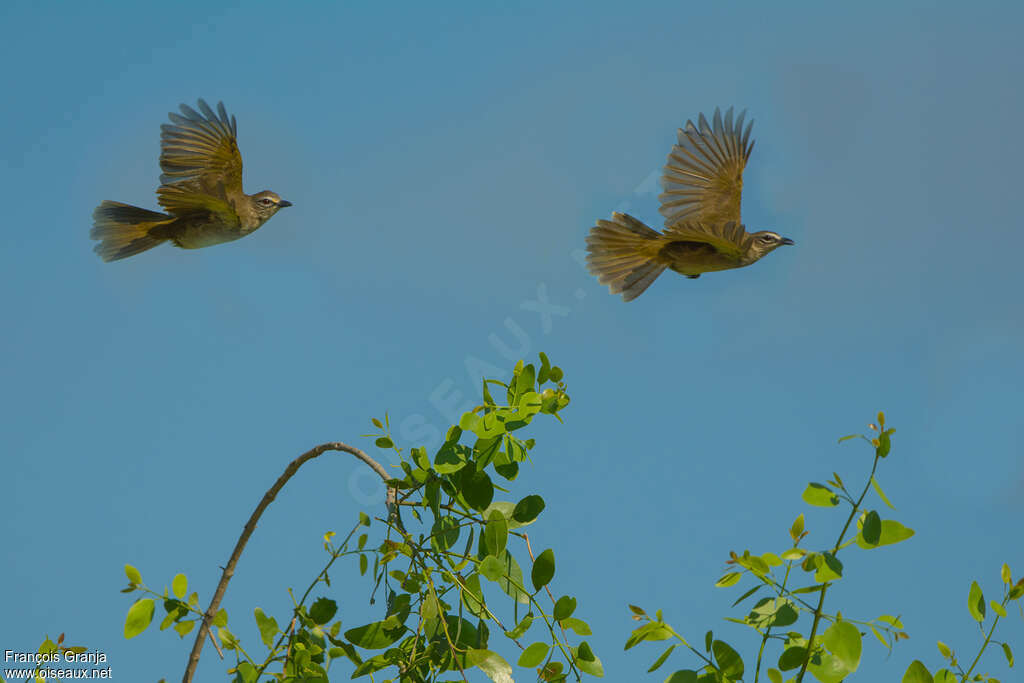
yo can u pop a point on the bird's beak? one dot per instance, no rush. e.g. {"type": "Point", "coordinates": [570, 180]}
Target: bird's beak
{"type": "Point", "coordinates": [785, 240]}
{"type": "Point", "coordinates": [283, 203]}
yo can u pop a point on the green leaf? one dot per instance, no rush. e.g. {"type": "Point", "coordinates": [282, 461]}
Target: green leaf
{"type": "Point", "coordinates": [652, 630]}
{"type": "Point", "coordinates": [419, 456]}
{"type": "Point", "coordinates": [774, 675]}
{"type": "Point", "coordinates": [522, 627]}
{"type": "Point", "coordinates": [140, 614]}
{"type": "Point", "coordinates": [477, 487]}
{"type": "Point", "coordinates": [375, 636]}
{"type": "Point", "coordinates": [444, 534]}
{"type": "Point", "coordinates": [227, 639]}
{"type": "Point", "coordinates": [730, 579]}
{"type": "Point", "coordinates": [503, 463]}
{"type": "Point", "coordinates": [323, 610]}
{"type": "Point", "coordinates": [661, 660]}
{"type": "Point", "coordinates": [683, 676]}
{"type": "Point", "coordinates": [797, 529]}
{"type": "Point", "coordinates": [586, 661]}
{"type": "Point", "coordinates": [172, 614]}
{"type": "Point", "coordinates": [450, 458]}
{"type": "Point", "coordinates": [545, 369]}
{"type": "Point", "coordinates": [819, 495]}
{"type": "Point", "coordinates": [917, 673]}
{"type": "Point", "coordinates": [564, 607]}
{"type": "Point", "coordinates": [872, 529]}
{"type": "Point", "coordinates": [529, 405]}
{"type": "Point", "coordinates": [843, 640]}
{"type": "Point", "coordinates": [976, 602]}
{"type": "Point", "coordinates": [133, 574]}
{"type": "Point", "coordinates": [384, 442]}
{"type": "Point", "coordinates": [221, 618]}
{"type": "Point", "coordinates": [747, 594]}
{"type": "Point", "coordinates": [496, 532]}
{"type": "Point", "coordinates": [179, 586]}
{"type": "Point", "coordinates": [473, 595]}
{"type": "Point", "coordinates": [491, 663]}
{"type": "Point", "coordinates": [944, 649]}
{"type": "Point", "coordinates": [755, 564]}
{"type": "Point", "coordinates": [881, 493]}
{"type": "Point", "coordinates": [997, 608]}
{"type": "Point", "coordinates": [891, 620]}
{"type": "Point", "coordinates": [183, 628]}
{"type": "Point", "coordinates": [1009, 654]}
{"type": "Point", "coordinates": [528, 509]}
{"type": "Point", "coordinates": [533, 655]}
{"type": "Point", "coordinates": [792, 657]}
{"type": "Point", "coordinates": [577, 626]}
{"type": "Point", "coordinates": [543, 569]}
{"type": "Point", "coordinates": [729, 661]}
{"type": "Point", "coordinates": [827, 668]}
{"type": "Point", "coordinates": [793, 554]}
{"type": "Point", "coordinates": [772, 612]}
{"type": "Point", "coordinates": [816, 588]}
{"type": "Point", "coordinates": [246, 673]}
{"type": "Point", "coordinates": [878, 635]}
{"type": "Point", "coordinates": [268, 627]}
{"type": "Point", "coordinates": [491, 568]}
{"type": "Point", "coordinates": [829, 568]}
{"type": "Point", "coordinates": [884, 443]}
{"type": "Point", "coordinates": [511, 580]}
{"type": "Point", "coordinates": [486, 450]}
{"type": "Point", "coordinates": [892, 532]}
{"type": "Point", "coordinates": [524, 381]}
{"type": "Point", "coordinates": [468, 421]}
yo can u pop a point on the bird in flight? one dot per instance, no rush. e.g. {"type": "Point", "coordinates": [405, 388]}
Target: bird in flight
{"type": "Point", "coordinates": [200, 189]}
{"type": "Point", "coordinates": [702, 180]}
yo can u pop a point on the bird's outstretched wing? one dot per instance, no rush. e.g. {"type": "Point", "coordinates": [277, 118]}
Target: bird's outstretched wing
{"type": "Point", "coordinates": [703, 177]}
{"type": "Point", "coordinates": [199, 156]}
{"type": "Point", "coordinates": [728, 239]}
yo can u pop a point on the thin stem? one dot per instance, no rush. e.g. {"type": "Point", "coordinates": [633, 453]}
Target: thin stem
{"type": "Point", "coordinates": [767, 632]}
{"type": "Point", "coordinates": [984, 645]}
{"type": "Point", "coordinates": [824, 588]}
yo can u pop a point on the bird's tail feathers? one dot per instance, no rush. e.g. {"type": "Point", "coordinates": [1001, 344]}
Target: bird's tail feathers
{"type": "Point", "coordinates": [124, 230]}
{"type": "Point", "coordinates": [623, 254]}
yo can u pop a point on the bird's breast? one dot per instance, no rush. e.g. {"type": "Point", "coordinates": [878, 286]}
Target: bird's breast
{"type": "Point", "coordinates": [694, 258]}
{"type": "Point", "coordinates": [199, 232]}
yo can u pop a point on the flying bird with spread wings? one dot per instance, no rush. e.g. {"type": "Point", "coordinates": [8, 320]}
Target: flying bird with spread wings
{"type": "Point", "coordinates": [201, 190]}
{"type": "Point", "coordinates": [702, 180]}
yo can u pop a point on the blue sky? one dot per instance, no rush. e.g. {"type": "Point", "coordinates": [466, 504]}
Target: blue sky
{"type": "Point", "coordinates": [445, 162]}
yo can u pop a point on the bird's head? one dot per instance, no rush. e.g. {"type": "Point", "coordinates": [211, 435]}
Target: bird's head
{"type": "Point", "coordinates": [265, 204]}
{"type": "Point", "coordinates": [763, 242]}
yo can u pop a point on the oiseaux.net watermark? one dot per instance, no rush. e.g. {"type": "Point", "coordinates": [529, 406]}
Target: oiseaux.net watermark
{"type": "Point", "coordinates": [64, 665]}
{"type": "Point", "coordinates": [512, 341]}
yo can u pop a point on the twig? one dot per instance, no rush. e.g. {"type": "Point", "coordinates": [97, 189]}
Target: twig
{"type": "Point", "coordinates": [250, 526]}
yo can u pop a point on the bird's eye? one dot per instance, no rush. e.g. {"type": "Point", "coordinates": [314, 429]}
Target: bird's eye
{"type": "Point", "coordinates": [767, 239]}
{"type": "Point", "coordinates": [267, 201]}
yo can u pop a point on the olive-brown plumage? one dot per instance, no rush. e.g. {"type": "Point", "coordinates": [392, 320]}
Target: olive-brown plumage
{"type": "Point", "coordinates": [703, 181]}
{"type": "Point", "coordinates": [201, 190]}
